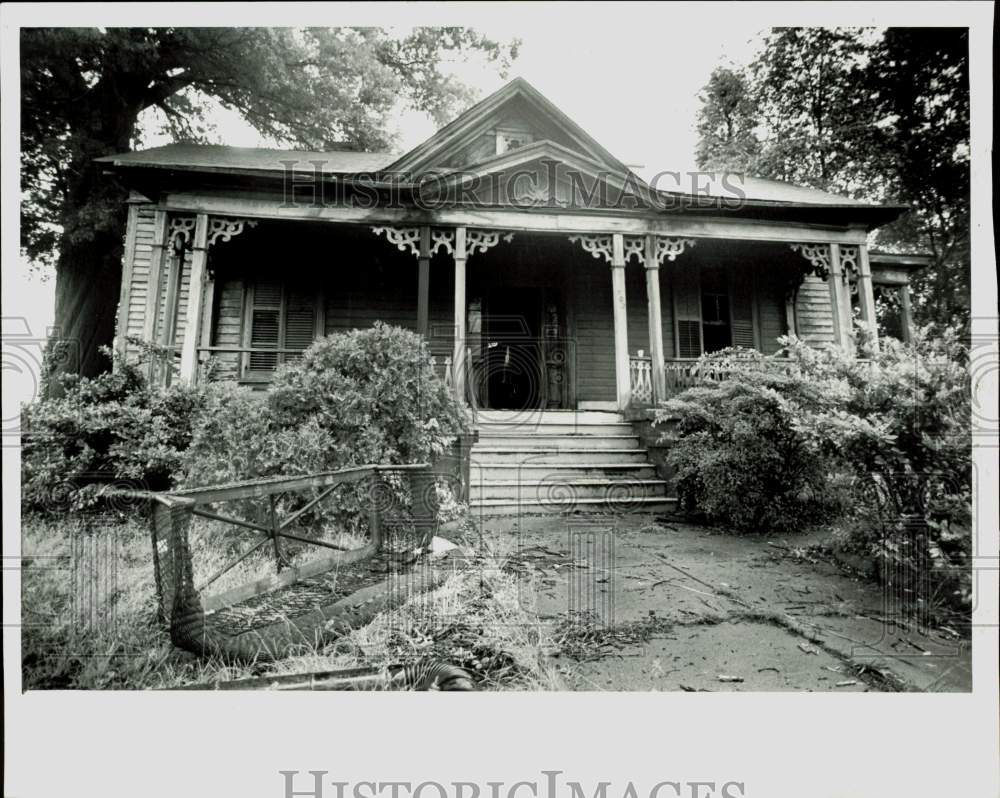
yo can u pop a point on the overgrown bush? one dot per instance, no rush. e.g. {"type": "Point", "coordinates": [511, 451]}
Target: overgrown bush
{"type": "Point", "coordinates": [356, 398]}
{"type": "Point", "coordinates": [769, 447]}
{"type": "Point", "coordinates": [737, 457]}
{"type": "Point", "coordinates": [112, 428]}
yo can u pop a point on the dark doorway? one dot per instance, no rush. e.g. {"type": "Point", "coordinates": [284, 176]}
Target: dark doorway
{"type": "Point", "coordinates": [511, 348]}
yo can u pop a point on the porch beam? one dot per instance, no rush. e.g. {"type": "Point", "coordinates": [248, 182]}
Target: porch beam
{"type": "Point", "coordinates": [519, 221]}
{"type": "Point", "coordinates": [619, 302]}
{"type": "Point", "coordinates": [196, 294]}
{"type": "Point", "coordinates": [866, 294]}
{"type": "Point", "coordinates": [458, 352]}
{"type": "Point", "coordinates": [423, 280]}
{"type": "Point", "coordinates": [655, 314]}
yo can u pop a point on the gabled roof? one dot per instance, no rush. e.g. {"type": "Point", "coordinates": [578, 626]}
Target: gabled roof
{"type": "Point", "coordinates": [463, 145]}
{"type": "Point", "coordinates": [483, 115]}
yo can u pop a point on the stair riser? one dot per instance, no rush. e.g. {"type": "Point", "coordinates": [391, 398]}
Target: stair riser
{"type": "Point", "coordinates": [595, 456]}
{"type": "Point", "coordinates": [535, 417]}
{"type": "Point", "coordinates": [556, 491]}
{"type": "Point", "coordinates": [558, 442]}
{"type": "Point", "coordinates": [487, 473]}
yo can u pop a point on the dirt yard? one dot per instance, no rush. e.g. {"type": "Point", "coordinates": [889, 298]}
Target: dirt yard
{"type": "Point", "coordinates": [636, 603]}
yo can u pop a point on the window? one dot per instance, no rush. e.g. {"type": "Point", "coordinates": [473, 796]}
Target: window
{"type": "Point", "coordinates": [279, 317]}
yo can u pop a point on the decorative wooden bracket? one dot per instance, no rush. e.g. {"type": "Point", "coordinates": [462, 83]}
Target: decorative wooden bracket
{"type": "Point", "coordinates": [850, 271]}
{"type": "Point", "coordinates": [634, 245]}
{"type": "Point", "coordinates": [671, 247]}
{"type": "Point", "coordinates": [818, 256]}
{"type": "Point", "coordinates": [597, 245]}
{"type": "Point", "coordinates": [482, 240]}
{"type": "Point", "coordinates": [221, 229]}
{"type": "Point", "coordinates": [181, 232]}
{"type": "Point", "coordinates": [405, 238]}
{"type": "Point", "coordinates": [443, 239]}
{"type": "Point", "coordinates": [667, 247]}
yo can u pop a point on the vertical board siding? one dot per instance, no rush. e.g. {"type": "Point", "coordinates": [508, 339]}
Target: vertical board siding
{"type": "Point", "coordinates": [637, 308]}
{"type": "Point", "coordinates": [770, 311]}
{"type": "Point", "coordinates": [595, 368]}
{"type": "Point", "coordinates": [813, 313]}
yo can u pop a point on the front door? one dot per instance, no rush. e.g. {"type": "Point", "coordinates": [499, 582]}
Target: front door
{"type": "Point", "coordinates": [512, 361]}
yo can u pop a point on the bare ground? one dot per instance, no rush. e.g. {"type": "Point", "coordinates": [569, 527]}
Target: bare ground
{"type": "Point", "coordinates": [638, 603]}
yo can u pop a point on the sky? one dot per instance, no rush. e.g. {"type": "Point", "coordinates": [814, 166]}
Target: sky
{"type": "Point", "coordinates": [634, 88]}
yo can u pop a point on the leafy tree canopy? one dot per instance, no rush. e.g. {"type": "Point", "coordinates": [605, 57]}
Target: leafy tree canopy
{"type": "Point", "coordinates": [83, 91]}
{"type": "Point", "coordinates": [878, 115]}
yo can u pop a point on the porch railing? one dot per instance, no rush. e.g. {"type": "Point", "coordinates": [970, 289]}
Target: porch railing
{"type": "Point", "coordinates": [684, 373]}
{"type": "Point", "coordinates": [641, 378]}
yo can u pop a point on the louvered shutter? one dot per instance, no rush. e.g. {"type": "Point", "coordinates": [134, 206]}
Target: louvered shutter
{"type": "Point", "coordinates": [300, 321]}
{"type": "Point", "coordinates": [686, 290]}
{"type": "Point", "coordinates": [741, 303]}
{"type": "Point", "coordinates": [265, 324]}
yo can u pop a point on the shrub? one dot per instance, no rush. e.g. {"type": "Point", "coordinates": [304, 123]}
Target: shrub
{"type": "Point", "coordinates": [113, 427]}
{"type": "Point", "coordinates": [360, 397]}
{"type": "Point", "coordinates": [737, 457]}
{"type": "Point", "coordinates": [905, 435]}
{"type": "Point", "coordinates": [771, 444]}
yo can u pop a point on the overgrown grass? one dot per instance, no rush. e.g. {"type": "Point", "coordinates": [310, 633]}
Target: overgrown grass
{"type": "Point", "coordinates": [90, 615]}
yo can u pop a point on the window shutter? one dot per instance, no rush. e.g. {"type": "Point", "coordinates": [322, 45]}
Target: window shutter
{"type": "Point", "coordinates": [742, 306]}
{"type": "Point", "coordinates": [265, 324]}
{"type": "Point", "coordinates": [686, 290]}
{"type": "Point", "coordinates": [300, 321]}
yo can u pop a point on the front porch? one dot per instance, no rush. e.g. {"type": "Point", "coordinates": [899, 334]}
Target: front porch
{"type": "Point", "coordinates": [517, 319]}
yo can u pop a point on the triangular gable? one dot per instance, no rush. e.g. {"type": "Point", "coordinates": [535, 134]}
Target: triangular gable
{"type": "Point", "coordinates": [518, 108]}
{"type": "Point", "coordinates": [539, 174]}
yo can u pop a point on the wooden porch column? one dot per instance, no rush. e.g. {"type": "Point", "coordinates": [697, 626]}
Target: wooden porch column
{"type": "Point", "coordinates": [458, 354]}
{"type": "Point", "coordinates": [622, 378]}
{"type": "Point", "coordinates": [866, 293]}
{"type": "Point", "coordinates": [655, 320]}
{"type": "Point", "coordinates": [423, 280]}
{"type": "Point", "coordinates": [906, 313]}
{"type": "Point", "coordinates": [840, 302]}
{"type": "Point", "coordinates": [196, 293]}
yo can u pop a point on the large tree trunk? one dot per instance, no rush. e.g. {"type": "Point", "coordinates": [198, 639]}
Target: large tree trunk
{"type": "Point", "coordinates": [88, 270]}
{"type": "Point", "coordinates": [88, 278]}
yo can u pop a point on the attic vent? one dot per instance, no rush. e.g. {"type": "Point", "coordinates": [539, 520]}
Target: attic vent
{"type": "Point", "coordinates": [509, 139]}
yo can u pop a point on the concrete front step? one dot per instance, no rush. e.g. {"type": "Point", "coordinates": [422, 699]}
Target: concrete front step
{"type": "Point", "coordinates": [566, 455]}
{"type": "Point", "coordinates": [562, 489]}
{"type": "Point", "coordinates": [502, 507]}
{"type": "Point", "coordinates": [529, 440]}
{"type": "Point", "coordinates": [485, 473]}
{"type": "Point", "coordinates": [568, 428]}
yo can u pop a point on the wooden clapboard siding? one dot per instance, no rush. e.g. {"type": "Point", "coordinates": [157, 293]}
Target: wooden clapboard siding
{"type": "Point", "coordinates": [595, 361]}
{"type": "Point", "coordinates": [813, 313]}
